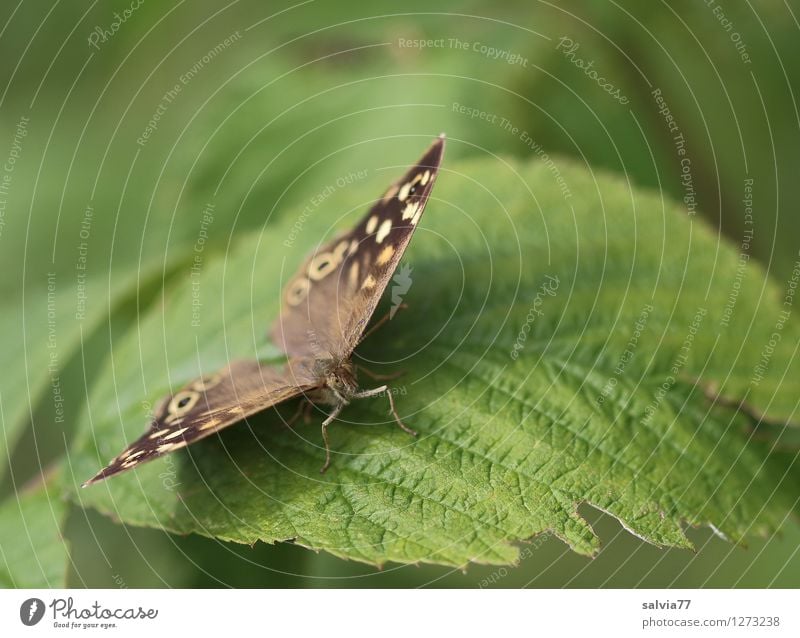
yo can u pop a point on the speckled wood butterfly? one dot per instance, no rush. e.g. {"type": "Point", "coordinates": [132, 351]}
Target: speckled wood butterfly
{"type": "Point", "coordinates": [326, 308]}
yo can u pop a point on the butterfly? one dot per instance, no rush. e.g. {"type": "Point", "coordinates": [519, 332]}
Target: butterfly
{"type": "Point", "coordinates": [326, 307]}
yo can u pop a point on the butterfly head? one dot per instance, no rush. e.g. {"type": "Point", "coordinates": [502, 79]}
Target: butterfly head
{"type": "Point", "coordinates": [342, 378]}
{"type": "Point", "coordinates": [338, 383]}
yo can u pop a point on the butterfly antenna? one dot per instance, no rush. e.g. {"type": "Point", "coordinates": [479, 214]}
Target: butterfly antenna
{"type": "Point", "coordinates": [380, 377]}
{"type": "Point", "coordinates": [379, 323]}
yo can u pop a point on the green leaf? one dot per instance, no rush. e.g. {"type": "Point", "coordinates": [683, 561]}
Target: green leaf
{"type": "Point", "coordinates": [557, 323]}
{"type": "Point", "coordinates": [41, 334]}
{"type": "Point", "coordinates": [51, 345]}
{"type": "Point", "coordinates": [33, 553]}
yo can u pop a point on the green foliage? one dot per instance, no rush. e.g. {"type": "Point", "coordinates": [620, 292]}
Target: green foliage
{"type": "Point", "coordinates": [550, 361]}
{"type": "Point", "coordinates": [325, 89]}
{"type": "Point", "coordinates": [33, 553]}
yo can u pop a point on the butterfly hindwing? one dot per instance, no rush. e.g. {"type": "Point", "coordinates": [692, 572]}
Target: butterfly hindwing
{"type": "Point", "coordinates": [211, 403]}
{"type": "Point", "coordinates": [328, 303]}
{"type": "Point", "coordinates": [326, 308]}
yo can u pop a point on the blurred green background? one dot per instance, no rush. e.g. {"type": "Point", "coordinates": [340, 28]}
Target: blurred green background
{"type": "Point", "coordinates": [144, 118]}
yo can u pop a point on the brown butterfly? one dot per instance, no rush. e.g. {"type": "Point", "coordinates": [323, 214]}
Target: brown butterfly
{"type": "Point", "coordinates": [326, 308]}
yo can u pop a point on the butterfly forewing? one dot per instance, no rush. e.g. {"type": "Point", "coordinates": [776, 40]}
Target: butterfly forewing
{"type": "Point", "coordinates": [328, 303]}
{"type": "Point", "coordinates": [326, 307]}
{"type": "Point", "coordinates": [211, 403]}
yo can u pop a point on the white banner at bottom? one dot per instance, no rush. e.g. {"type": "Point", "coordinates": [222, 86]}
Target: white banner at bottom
{"type": "Point", "coordinates": [398, 613]}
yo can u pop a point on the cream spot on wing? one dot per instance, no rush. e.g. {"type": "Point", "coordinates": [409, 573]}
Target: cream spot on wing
{"type": "Point", "coordinates": [168, 447]}
{"type": "Point", "coordinates": [369, 282]}
{"type": "Point", "coordinates": [158, 434]}
{"type": "Point", "coordinates": [416, 217]}
{"type": "Point", "coordinates": [180, 404]}
{"type": "Point", "coordinates": [383, 231]}
{"type": "Point", "coordinates": [203, 385]}
{"type": "Point", "coordinates": [390, 193]}
{"type": "Point", "coordinates": [322, 265]}
{"type": "Point", "coordinates": [354, 268]}
{"type": "Point", "coordinates": [372, 224]}
{"type": "Point", "coordinates": [175, 433]}
{"type": "Point", "coordinates": [410, 209]}
{"type": "Point", "coordinates": [297, 291]}
{"type": "Point", "coordinates": [129, 463]}
{"type": "Point", "coordinates": [211, 424]}
{"type": "Point", "coordinates": [340, 248]}
{"type": "Point", "coordinates": [385, 255]}
{"type": "Point", "coordinates": [425, 177]}
{"type": "Point", "coordinates": [404, 191]}
{"type": "Point", "coordinates": [353, 247]}
{"type": "Point", "coordinates": [129, 454]}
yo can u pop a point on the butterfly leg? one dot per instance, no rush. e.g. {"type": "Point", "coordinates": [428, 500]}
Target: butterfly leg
{"type": "Point", "coordinates": [396, 416]}
{"type": "Point", "coordinates": [380, 390]}
{"type": "Point", "coordinates": [304, 410]}
{"type": "Point", "coordinates": [331, 417]}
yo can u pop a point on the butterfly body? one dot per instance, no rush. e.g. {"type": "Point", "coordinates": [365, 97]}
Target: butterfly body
{"type": "Point", "coordinates": [340, 385]}
{"type": "Point", "coordinates": [326, 307]}
{"type": "Point", "coordinates": [339, 389]}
